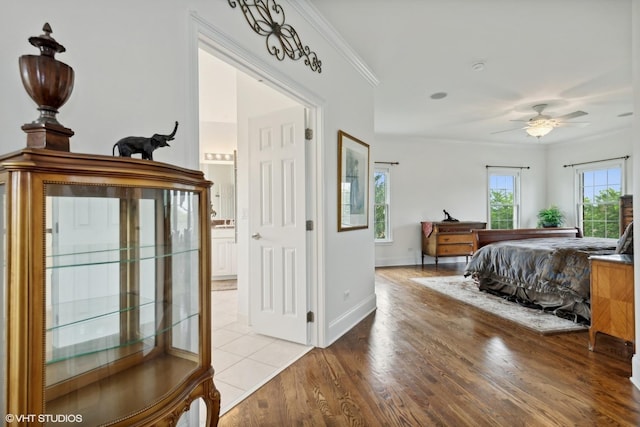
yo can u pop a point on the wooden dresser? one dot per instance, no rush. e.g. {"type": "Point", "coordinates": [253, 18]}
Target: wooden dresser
{"type": "Point", "coordinates": [612, 307]}
{"type": "Point", "coordinates": [448, 238]}
{"type": "Point", "coordinates": [626, 211]}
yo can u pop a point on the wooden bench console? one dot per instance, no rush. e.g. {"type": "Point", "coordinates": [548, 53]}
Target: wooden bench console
{"type": "Point", "coordinates": [448, 238]}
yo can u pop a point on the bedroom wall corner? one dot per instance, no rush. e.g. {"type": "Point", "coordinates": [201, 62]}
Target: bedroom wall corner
{"type": "Point", "coordinates": [635, 58]}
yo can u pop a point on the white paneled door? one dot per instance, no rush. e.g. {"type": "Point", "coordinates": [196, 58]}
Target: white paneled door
{"type": "Point", "coordinates": [278, 262]}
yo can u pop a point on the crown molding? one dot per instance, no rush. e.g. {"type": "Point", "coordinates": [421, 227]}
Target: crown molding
{"type": "Point", "coordinates": [309, 12]}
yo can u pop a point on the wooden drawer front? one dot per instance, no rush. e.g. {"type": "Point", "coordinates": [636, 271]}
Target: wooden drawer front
{"type": "Point", "coordinates": [612, 299]}
{"type": "Point", "coordinates": [447, 238]}
{"type": "Point", "coordinates": [459, 227]}
{"type": "Point", "coordinates": [455, 249]}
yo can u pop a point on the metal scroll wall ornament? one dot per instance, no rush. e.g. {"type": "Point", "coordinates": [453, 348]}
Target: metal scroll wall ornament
{"type": "Point", "coordinates": [266, 18]}
{"type": "Point", "coordinates": [49, 83]}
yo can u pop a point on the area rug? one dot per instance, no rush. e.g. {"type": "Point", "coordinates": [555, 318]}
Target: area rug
{"type": "Point", "coordinates": [465, 290]}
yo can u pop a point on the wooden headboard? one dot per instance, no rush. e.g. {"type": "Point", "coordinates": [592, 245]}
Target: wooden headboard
{"type": "Point", "coordinates": [484, 237]}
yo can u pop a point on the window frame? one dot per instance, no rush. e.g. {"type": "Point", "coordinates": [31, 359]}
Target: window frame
{"type": "Point", "coordinates": [579, 185]}
{"type": "Point", "coordinates": [386, 170]}
{"type": "Point", "coordinates": [517, 198]}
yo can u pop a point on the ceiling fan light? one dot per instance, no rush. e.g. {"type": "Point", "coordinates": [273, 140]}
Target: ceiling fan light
{"type": "Point", "coordinates": [539, 131]}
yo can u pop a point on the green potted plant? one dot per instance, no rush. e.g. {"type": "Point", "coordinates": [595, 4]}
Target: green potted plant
{"type": "Point", "coordinates": [550, 217]}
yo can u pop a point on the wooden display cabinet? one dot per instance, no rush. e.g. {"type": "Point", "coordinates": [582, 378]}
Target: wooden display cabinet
{"type": "Point", "coordinates": [105, 295]}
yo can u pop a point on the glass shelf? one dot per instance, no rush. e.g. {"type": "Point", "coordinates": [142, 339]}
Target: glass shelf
{"type": "Point", "coordinates": [111, 304]}
{"type": "Point", "coordinates": [85, 257]}
{"type": "Point", "coordinates": [113, 310]}
{"type": "Point", "coordinates": [114, 342]}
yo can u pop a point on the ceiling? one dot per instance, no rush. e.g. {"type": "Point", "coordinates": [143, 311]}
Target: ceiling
{"type": "Point", "coordinates": [570, 54]}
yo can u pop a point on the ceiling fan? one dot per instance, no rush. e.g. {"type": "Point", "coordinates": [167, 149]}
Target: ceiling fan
{"type": "Point", "coordinates": [542, 124]}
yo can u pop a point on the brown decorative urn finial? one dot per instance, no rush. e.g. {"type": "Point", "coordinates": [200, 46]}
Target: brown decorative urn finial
{"type": "Point", "coordinates": [49, 83]}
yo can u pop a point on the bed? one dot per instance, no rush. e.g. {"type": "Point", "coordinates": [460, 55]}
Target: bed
{"type": "Point", "coordinates": [543, 268]}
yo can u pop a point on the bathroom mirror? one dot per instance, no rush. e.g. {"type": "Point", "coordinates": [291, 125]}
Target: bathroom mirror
{"type": "Point", "coordinates": [223, 190]}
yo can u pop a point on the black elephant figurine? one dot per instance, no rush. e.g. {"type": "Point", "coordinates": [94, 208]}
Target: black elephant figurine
{"type": "Point", "coordinates": [143, 145]}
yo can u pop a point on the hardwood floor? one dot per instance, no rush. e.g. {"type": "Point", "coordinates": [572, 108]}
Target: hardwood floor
{"type": "Point", "coordinates": [423, 359]}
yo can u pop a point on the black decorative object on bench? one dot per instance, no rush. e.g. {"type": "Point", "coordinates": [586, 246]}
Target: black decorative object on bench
{"type": "Point", "coordinates": [447, 217]}
{"type": "Point", "coordinates": [143, 145]}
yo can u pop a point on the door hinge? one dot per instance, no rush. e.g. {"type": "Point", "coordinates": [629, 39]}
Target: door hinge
{"type": "Point", "coordinates": [310, 317]}
{"type": "Point", "coordinates": [309, 225]}
{"type": "Point", "coordinates": [308, 134]}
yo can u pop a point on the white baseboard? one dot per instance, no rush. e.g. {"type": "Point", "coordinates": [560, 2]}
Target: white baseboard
{"type": "Point", "coordinates": [635, 370]}
{"type": "Point", "coordinates": [351, 318]}
{"type": "Point", "coordinates": [391, 262]}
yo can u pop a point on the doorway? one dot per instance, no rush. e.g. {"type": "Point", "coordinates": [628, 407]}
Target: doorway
{"type": "Point", "coordinates": [227, 96]}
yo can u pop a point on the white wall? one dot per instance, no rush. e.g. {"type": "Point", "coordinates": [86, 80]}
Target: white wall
{"type": "Point", "coordinates": [452, 175]}
{"type": "Point", "coordinates": [130, 71]}
{"type": "Point", "coordinates": [134, 73]}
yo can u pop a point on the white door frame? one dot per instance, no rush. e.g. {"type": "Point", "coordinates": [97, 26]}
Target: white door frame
{"type": "Point", "coordinates": [228, 50]}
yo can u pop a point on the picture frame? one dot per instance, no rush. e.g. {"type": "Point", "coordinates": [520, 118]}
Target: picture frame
{"type": "Point", "coordinates": [353, 183]}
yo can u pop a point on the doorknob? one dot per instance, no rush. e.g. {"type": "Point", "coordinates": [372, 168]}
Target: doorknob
{"type": "Point", "coordinates": [256, 236]}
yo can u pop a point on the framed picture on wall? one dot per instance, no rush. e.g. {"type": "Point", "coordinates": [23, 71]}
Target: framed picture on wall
{"type": "Point", "coordinates": [353, 183]}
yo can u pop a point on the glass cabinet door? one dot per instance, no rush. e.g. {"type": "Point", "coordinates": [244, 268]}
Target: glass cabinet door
{"type": "Point", "coordinates": [122, 297]}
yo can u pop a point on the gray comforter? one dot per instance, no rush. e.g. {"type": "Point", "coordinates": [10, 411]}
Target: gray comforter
{"type": "Point", "coordinates": [552, 273]}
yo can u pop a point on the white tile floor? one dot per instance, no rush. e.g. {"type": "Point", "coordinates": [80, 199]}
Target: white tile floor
{"type": "Point", "coordinates": [243, 360]}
